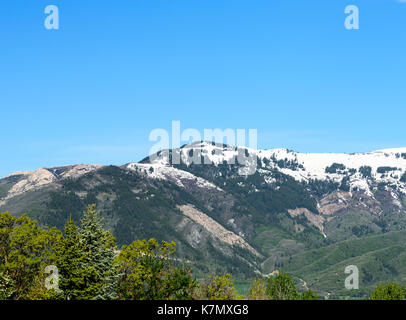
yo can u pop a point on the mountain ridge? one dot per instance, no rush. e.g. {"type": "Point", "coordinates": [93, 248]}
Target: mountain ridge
{"type": "Point", "coordinates": [399, 153]}
{"type": "Point", "coordinates": [223, 221]}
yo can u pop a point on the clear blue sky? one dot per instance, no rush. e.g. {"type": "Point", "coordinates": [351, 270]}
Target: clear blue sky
{"type": "Point", "coordinates": [92, 91]}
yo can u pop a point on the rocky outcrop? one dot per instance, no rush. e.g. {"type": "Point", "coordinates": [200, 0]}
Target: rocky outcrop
{"type": "Point", "coordinates": [215, 229]}
{"type": "Point", "coordinates": [314, 219]}
{"type": "Point", "coordinates": [31, 180]}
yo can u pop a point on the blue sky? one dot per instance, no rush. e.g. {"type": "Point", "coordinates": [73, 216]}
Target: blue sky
{"type": "Point", "coordinates": [92, 91]}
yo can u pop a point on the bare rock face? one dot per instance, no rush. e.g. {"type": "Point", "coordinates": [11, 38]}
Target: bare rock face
{"type": "Point", "coordinates": [215, 229]}
{"type": "Point", "coordinates": [334, 202]}
{"type": "Point", "coordinates": [314, 219]}
{"type": "Point", "coordinates": [31, 180]}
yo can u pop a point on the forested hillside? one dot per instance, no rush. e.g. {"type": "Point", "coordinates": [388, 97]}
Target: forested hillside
{"type": "Point", "coordinates": [308, 214]}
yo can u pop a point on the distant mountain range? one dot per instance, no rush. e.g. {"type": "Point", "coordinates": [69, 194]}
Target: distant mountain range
{"type": "Point", "coordinates": [308, 214]}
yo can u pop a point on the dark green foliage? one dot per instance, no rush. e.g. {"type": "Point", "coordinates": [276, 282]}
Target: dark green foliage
{"type": "Point", "coordinates": [345, 186]}
{"type": "Point", "coordinates": [7, 286]}
{"type": "Point", "coordinates": [24, 250]}
{"type": "Point", "coordinates": [388, 291]}
{"type": "Point", "coordinates": [3, 191]}
{"type": "Point", "coordinates": [335, 168]}
{"type": "Point", "coordinates": [76, 276]}
{"type": "Point", "coordinates": [63, 205]}
{"type": "Point", "coordinates": [309, 295]}
{"type": "Point", "coordinates": [403, 178]}
{"type": "Point", "coordinates": [149, 273]}
{"type": "Point", "coordinates": [281, 287]}
{"type": "Point", "coordinates": [288, 164]}
{"type": "Point", "coordinates": [365, 171]}
{"type": "Point", "coordinates": [99, 246]}
{"type": "Point", "coordinates": [85, 259]}
{"type": "Point", "coordinates": [287, 196]}
{"type": "Point", "coordinates": [320, 188]}
{"type": "Point", "coordinates": [362, 230]}
{"type": "Point", "coordinates": [287, 193]}
{"type": "Point", "coordinates": [219, 288]}
{"type": "Point", "coordinates": [386, 169]}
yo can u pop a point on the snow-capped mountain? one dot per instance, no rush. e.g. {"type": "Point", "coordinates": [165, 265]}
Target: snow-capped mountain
{"type": "Point", "coordinates": [361, 170]}
{"type": "Point", "coordinates": [220, 216]}
{"type": "Point", "coordinates": [382, 166]}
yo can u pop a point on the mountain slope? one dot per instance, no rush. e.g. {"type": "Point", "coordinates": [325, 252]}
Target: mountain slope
{"type": "Point", "coordinates": [224, 221]}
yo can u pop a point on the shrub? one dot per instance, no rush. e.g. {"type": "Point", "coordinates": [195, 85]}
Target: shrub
{"type": "Point", "coordinates": [281, 287]}
{"type": "Point", "coordinates": [388, 291]}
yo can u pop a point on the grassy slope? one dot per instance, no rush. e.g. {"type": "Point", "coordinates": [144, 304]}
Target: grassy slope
{"type": "Point", "coordinates": [379, 258]}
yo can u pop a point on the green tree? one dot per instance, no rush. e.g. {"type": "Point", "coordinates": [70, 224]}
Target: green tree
{"type": "Point", "coordinates": [7, 287]}
{"type": "Point", "coordinates": [25, 250]}
{"type": "Point", "coordinates": [258, 290]}
{"type": "Point", "coordinates": [38, 290]}
{"type": "Point", "coordinates": [281, 287]}
{"type": "Point", "coordinates": [388, 291]}
{"type": "Point", "coordinates": [99, 247]}
{"type": "Point", "coordinates": [309, 295]}
{"type": "Point", "coordinates": [149, 273]}
{"type": "Point", "coordinates": [76, 275]}
{"type": "Point", "coordinates": [219, 288]}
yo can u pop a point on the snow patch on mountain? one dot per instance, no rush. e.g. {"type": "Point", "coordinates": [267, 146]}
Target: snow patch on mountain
{"type": "Point", "coordinates": [314, 165]}
{"type": "Point", "coordinates": [302, 166]}
{"type": "Point", "coordinates": [164, 172]}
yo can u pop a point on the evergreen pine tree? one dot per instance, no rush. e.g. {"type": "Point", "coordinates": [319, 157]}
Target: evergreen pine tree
{"type": "Point", "coordinates": [6, 286]}
{"type": "Point", "coordinates": [388, 291]}
{"type": "Point", "coordinates": [99, 246]}
{"type": "Point", "coordinates": [76, 277]}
